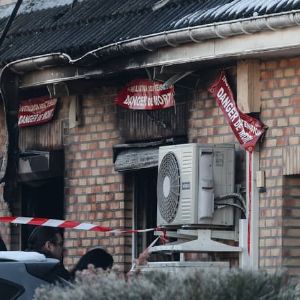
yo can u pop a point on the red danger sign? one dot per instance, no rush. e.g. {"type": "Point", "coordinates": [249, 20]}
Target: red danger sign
{"type": "Point", "coordinates": [36, 111]}
{"type": "Point", "coordinates": [247, 130]}
{"type": "Point", "coordinates": [144, 94]}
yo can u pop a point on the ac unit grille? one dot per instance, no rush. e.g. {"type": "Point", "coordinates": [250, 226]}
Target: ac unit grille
{"type": "Point", "coordinates": [168, 187]}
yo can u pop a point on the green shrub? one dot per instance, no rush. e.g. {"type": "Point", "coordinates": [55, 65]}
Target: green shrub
{"type": "Point", "coordinates": [225, 285]}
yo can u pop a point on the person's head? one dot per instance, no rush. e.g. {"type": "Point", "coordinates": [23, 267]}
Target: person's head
{"type": "Point", "coordinates": [97, 257]}
{"type": "Point", "coordinates": [46, 240]}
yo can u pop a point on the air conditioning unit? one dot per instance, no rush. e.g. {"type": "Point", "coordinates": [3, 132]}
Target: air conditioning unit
{"type": "Point", "coordinates": [190, 176]}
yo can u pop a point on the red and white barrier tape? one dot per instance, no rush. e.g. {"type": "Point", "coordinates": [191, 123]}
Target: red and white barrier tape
{"type": "Point", "coordinates": [69, 224]}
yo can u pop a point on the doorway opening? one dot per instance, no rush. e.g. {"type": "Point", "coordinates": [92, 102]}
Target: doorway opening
{"type": "Point", "coordinates": [41, 199]}
{"type": "Point", "coordinates": [144, 206]}
{"type": "Point", "coordinates": [145, 214]}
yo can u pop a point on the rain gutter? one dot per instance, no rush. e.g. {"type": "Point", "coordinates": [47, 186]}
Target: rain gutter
{"type": "Point", "coordinates": [40, 62]}
{"type": "Point", "coordinates": [173, 38]}
{"type": "Point", "coordinates": [196, 34]}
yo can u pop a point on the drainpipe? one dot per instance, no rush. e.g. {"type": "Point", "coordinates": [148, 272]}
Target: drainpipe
{"type": "Point", "coordinates": [8, 172]}
{"type": "Point", "coordinates": [9, 188]}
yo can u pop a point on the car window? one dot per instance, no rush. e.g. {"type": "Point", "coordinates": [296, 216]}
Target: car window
{"type": "Point", "coordinates": [10, 290]}
{"type": "Point", "coordinates": [46, 271]}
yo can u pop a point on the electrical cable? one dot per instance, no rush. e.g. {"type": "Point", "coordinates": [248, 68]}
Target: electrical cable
{"type": "Point", "coordinates": [231, 204]}
{"type": "Point", "coordinates": [236, 196]}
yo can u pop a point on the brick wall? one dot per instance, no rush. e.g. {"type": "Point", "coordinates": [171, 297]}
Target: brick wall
{"type": "Point", "coordinates": [280, 112]}
{"type": "Point", "coordinates": [94, 191]}
{"type": "Point", "coordinates": [206, 121]}
{"type": "Point", "coordinates": [291, 225]}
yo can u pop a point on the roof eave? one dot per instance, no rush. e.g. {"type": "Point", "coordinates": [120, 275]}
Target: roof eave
{"type": "Point", "coordinates": [197, 34]}
{"type": "Point", "coordinates": [160, 40]}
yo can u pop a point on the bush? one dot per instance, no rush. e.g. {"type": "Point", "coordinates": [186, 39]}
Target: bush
{"type": "Point", "coordinates": [225, 285]}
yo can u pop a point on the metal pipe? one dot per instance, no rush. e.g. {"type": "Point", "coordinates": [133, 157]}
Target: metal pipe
{"type": "Point", "coordinates": [38, 62]}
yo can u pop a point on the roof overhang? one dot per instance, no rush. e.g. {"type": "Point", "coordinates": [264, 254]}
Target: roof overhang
{"type": "Point", "coordinates": [263, 45]}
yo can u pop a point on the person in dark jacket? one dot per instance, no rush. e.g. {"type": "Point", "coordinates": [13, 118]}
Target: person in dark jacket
{"type": "Point", "coordinates": [97, 257]}
{"type": "Point", "coordinates": [2, 245]}
{"type": "Point", "coordinates": [49, 241]}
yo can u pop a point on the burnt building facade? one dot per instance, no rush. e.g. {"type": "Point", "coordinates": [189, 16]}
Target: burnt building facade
{"type": "Point", "coordinates": [97, 162]}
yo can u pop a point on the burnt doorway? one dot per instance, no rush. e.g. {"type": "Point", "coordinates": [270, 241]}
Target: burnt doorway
{"type": "Point", "coordinates": [145, 202]}
{"type": "Point", "coordinates": [42, 199]}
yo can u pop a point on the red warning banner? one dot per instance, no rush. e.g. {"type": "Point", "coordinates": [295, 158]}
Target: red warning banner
{"type": "Point", "coordinates": [247, 130]}
{"type": "Point", "coordinates": [36, 111]}
{"type": "Point", "coordinates": [144, 94]}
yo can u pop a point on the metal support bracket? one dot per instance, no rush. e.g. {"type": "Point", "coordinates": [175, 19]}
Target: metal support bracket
{"type": "Point", "coordinates": [203, 243]}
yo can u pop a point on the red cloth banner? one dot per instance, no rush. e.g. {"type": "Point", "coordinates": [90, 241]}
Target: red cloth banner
{"type": "Point", "coordinates": [36, 111]}
{"type": "Point", "coordinates": [247, 130]}
{"type": "Point", "coordinates": [144, 94]}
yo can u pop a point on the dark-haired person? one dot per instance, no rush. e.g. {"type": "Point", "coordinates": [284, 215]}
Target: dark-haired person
{"type": "Point", "coordinates": [49, 241]}
{"type": "Point", "coordinates": [2, 245]}
{"type": "Point", "coordinates": [97, 257]}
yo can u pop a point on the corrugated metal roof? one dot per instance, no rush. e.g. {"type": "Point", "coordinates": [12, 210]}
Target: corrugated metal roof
{"type": "Point", "coordinates": [89, 24]}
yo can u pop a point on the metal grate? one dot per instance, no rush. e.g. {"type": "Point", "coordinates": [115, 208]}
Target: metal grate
{"type": "Point", "coordinates": [136, 125]}
{"type": "Point", "coordinates": [168, 187]}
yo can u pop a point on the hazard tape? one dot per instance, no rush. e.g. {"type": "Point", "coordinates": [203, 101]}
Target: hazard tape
{"type": "Point", "coordinates": [70, 225]}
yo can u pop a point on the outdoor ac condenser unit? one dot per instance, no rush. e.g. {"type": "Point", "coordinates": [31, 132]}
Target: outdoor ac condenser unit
{"type": "Point", "coordinates": [190, 176]}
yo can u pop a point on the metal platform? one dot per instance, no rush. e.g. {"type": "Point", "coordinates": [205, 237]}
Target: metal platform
{"type": "Point", "coordinates": [179, 266]}
{"type": "Point", "coordinates": [202, 242]}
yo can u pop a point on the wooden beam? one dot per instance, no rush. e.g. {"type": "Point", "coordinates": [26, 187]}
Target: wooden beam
{"type": "Point", "coordinates": [248, 86]}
